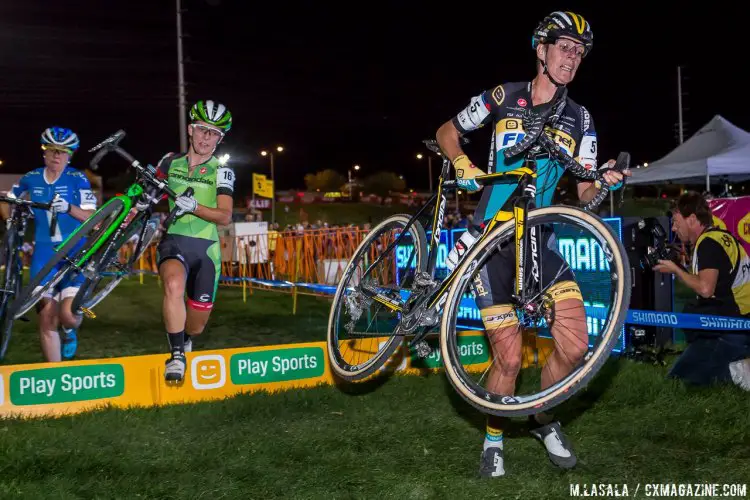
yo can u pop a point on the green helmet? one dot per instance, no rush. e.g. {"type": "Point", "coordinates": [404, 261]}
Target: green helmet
{"type": "Point", "coordinates": [213, 113]}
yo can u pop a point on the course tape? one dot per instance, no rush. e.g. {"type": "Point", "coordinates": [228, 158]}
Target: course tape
{"type": "Point", "coordinates": [687, 320]}
{"type": "Point", "coordinates": [634, 316]}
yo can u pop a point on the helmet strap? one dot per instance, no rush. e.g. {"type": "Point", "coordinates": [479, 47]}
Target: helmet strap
{"type": "Point", "coordinates": [546, 71]}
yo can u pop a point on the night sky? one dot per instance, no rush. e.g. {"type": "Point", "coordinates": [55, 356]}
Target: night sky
{"type": "Point", "coordinates": [359, 85]}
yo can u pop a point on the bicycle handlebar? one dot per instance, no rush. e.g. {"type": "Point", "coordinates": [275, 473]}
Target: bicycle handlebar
{"type": "Point", "coordinates": [111, 145]}
{"type": "Point", "coordinates": [35, 204]}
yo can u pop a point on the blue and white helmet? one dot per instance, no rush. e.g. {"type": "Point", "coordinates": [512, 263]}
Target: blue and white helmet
{"type": "Point", "coordinates": [60, 137]}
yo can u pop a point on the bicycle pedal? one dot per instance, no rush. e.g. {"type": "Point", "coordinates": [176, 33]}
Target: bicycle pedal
{"type": "Point", "coordinates": [88, 313]}
{"type": "Point", "coordinates": [423, 349]}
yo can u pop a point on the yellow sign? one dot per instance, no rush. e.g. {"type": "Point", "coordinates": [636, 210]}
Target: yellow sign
{"type": "Point", "coordinates": [262, 186]}
{"type": "Point", "coordinates": [71, 387]}
{"type": "Point", "coordinates": [743, 228]}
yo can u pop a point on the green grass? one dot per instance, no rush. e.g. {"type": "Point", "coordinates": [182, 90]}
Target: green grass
{"type": "Point", "coordinates": [402, 437]}
{"type": "Point", "coordinates": [405, 437]}
{"type": "Point", "coordinates": [129, 322]}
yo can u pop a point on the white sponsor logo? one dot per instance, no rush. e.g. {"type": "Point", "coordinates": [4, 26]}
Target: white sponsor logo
{"type": "Point", "coordinates": [208, 372]}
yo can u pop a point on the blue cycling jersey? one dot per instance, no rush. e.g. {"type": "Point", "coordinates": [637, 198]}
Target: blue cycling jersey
{"type": "Point", "coordinates": [503, 106]}
{"type": "Point", "coordinates": [72, 185]}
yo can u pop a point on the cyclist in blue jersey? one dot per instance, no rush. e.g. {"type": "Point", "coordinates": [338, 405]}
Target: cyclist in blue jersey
{"type": "Point", "coordinates": [561, 41]}
{"type": "Point", "coordinates": [74, 203]}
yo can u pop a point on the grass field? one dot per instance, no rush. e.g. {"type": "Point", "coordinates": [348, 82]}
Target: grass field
{"type": "Point", "coordinates": [129, 322]}
{"type": "Point", "coordinates": [401, 437]}
{"type": "Point", "coordinates": [407, 437]}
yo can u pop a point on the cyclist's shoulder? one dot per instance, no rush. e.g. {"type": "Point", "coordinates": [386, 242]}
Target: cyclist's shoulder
{"type": "Point", "coordinates": [73, 174]}
{"type": "Point", "coordinates": [507, 92]}
{"type": "Point", "coordinates": [33, 174]}
{"type": "Point", "coordinates": [579, 113]}
{"type": "Point", "coordinates": [166, 161]}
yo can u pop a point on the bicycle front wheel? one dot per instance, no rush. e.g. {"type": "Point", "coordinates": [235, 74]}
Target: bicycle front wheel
{"type": "Point", "coordinates": [361, 330]}
{"type": "Point", "coordinates": [586, 250]}
{"type": "Point", "coordinates": [72, 253]}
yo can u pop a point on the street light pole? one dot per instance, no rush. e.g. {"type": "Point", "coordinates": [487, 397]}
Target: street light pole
{"type": "Point", "coordinates": [429, 166]}
{"type": "Point", "coordinates": [181, 81]}
{"type": "Point", "coordinates": [429, 169]}
{"type": "Point", "coordinates": [273, 194]}
{"type": "Point", "coordinates": [273, 182]}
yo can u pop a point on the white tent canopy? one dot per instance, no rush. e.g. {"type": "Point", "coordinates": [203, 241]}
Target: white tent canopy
{"type": "Point", "coordinates": [719, 149]}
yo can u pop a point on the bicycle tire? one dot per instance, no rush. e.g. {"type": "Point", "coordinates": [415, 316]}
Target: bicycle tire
{"type": "Point", "coordinates": [85, 296]}
{"type": "Point", "coordinates": [578, 378]}
{"type": "Point", "coordinates": [29, 295]}
{"type": "Point", "coordinates": [10, 284]}
{"type": "Point", "coordinates": [341, 369]}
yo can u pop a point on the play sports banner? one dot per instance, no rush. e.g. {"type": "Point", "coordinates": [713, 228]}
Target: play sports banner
{"type": "Point", "coordinates": [734, 216]}
{"type": "Point", "coordinates": [138, 381]}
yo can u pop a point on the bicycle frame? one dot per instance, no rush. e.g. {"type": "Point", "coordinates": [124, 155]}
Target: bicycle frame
{"type": "Point", "coordinates": [436, 298]}
{"type": "Point", "coordinates": [133, 192]}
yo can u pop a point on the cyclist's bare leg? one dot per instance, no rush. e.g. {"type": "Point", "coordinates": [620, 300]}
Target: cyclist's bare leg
{"type": "Point", "coordinates": [49, 336]}
{"type": "Point", "coordinates": [67, 318]}
{"type": "Point", "coordinates": [196, 321]}
{"type": "Point", "coordinates": [172, 273]}
{"type": "Point", "coordinates": [505, 343]}
{"type": "Point", "coordinates": [570, 333]}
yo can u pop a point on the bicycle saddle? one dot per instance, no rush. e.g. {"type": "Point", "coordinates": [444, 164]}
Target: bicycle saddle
{"type": "Point", "coordinates": [433, 146]}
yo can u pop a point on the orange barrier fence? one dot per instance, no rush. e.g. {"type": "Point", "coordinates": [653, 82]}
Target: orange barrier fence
{"type": "Point", "coordinates": [279, 261]}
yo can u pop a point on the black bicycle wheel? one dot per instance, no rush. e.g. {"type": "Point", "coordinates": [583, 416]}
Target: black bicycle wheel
{"type": "Point", "coordinates": [606, 318]}
{"type": "Point", "coordinates": [68, 255]}
{"type": "Point", "coordinates": [10, 281]}
{"type": "Point", "coordinates": [349, 299]}
{"type": "Point", "coordinates": [91, 294]}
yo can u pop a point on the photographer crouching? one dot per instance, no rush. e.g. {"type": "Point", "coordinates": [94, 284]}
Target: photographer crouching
{"type": "Point", "coordinates": [720, 277]}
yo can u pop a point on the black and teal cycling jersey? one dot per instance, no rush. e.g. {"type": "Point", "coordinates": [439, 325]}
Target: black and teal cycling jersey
{"type": "Point", "coordinates": [503, 107]}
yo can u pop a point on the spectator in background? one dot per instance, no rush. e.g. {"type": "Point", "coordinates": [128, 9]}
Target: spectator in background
{"type": "Point", "coordinates": [720, 277]}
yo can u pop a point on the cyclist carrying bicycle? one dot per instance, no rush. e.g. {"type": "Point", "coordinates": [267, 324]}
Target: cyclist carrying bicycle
{"type": "Point", "coordinates": [561, 41]}
{"type": "Point", "coordinates": [189, 254]}
{"type": "Point", "coordinates": [74, 204]}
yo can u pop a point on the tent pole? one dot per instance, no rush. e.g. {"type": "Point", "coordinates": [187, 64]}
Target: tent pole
{"type": "Point", "coordinates": [708, 182]}
{"type": "Point", "coordinates": [679, 101]}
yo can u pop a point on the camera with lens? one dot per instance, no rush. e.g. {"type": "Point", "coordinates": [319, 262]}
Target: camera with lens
{"type": "Point", "coordinates": [660, 249]}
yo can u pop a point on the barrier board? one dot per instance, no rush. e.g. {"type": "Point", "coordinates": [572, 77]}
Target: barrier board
{"type": "Point", "coordinates": [42, 389]}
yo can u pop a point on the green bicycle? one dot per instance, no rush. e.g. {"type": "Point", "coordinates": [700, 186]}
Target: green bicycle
{"type": "Point", "coordinates": [93, 247]}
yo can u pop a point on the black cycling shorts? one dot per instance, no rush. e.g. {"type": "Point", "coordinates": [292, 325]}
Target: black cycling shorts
{"type": "Point", "coordinates": [494, 284]}
{"type": "Point", "coordinates": [202, 261]}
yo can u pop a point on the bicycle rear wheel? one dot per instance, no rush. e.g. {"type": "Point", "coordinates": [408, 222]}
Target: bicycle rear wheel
{"type": "Point", "coordinates": [586, 245]}
{"type": "Point", "coordinates": [67, 258]}
{"type": "Point", "coordinates": [107, 270]}
{"type": "Point", "coordinates": [350, 344]}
